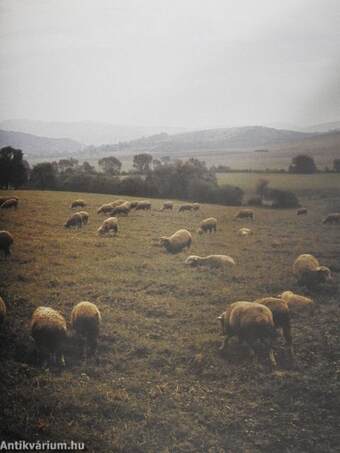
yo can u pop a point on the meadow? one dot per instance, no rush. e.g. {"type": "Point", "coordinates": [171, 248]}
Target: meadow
{"type": "Point", "coordinates": [159, 383]}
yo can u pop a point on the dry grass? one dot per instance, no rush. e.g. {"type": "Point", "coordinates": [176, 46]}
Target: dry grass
{"type": "Point", "coordinates": [160, 384]}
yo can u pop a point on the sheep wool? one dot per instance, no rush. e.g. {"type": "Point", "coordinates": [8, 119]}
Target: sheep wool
{"type": "Point", "coordinates": [2, 310]}
{"type": "Point", "coordinates": [6, 241]}
{"type": "Point", "coordinates": [177, 242]}
{"type": "Point", "coordinates": [86, 320]}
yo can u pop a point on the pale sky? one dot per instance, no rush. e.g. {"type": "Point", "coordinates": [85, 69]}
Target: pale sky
{"type": "Point", "coordinates": [188, 63]}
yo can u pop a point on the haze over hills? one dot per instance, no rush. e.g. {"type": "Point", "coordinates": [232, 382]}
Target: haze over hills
{"type": "Point", "coordinates": [323, 127]}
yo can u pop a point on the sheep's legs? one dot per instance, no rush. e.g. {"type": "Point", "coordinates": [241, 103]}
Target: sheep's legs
{"type": "Point", "coordinates": [224, 345]}
{"type": "Point", "coordinates": [272, 358]}
{"type": "Point", "coordinates": [289, 341]}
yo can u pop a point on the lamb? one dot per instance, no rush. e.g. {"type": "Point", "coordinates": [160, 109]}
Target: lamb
{"type": "Point", "coordinates": [2, 310]}
{"type": "Point", "coordinates": [167, 205]}
{"type": "Point", "coordinates": [207, 225]}
{"type": "Point", "coordinates": [78, 204]}
{"type": "Point", "coordinates": [143, 205]}
{"type": "Point", "coordinates": [122, 209]}
{"type": "Point", "coordinates": [281, 317]}
{"type": "Point", "coordinates": [245, 214]}
{"type": "Point", "coordinates": [86, 320]}
{"type": "Point", "coordinates": [105, 209]}
{"type": "Point", "coordinates": [177, 242]}
{"type": "Point", "coordinates": [48, 329]}
{"type": "Point", "coordinates": [84, 217]}
{"type": "Point", "coordinates": [185, 207]}
{"type": "Point", "coordinates": [296, 302]}
{"type": "Point", "coordinates": [248, 321]}
{"type": "Point", "coordinates": [308, 271]}
{"type": "Point", "coordinates": [334, 217]}
{"type": "Point", "coordinates": [110, 224]}
{"type": "Point", "coordinates": [6, 240]}
{"type": "Point", "coordinates": [301, 211]}
{"type": "Point", "coordinates": [245, 232]}
{"type": "Point", "coordinates": [75, 220]}
{"type": "Point", "coordinates": [10, 203]}
{"type": "Point", "coordinates": [213, 261]}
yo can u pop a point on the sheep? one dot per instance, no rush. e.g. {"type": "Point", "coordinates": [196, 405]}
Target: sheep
{"type": "Point", "coordinates": [248, 321]}
{"type": "Point", "coordinates": [75, 220]}
{"type": "Point", "coordinates": [301, 211]}
{"type": "Point", "coordinates": [110, 224]}
{"type": "Point", "coordinates": [281, 317]}
{"type": "Point", "coordinates": [10, 203]}
{"type": "Point", "coordinates": [122, 209]}
{"type": "Point", "coordinates": [207, 225]}
{"type": "Point", "coordinates": [244, 232]}
{"type": "Point", "coordinates": [334, 217]}
{"type": "Point", "coordinates": [177, 242]}
{"type": "Point", "coordinates": [2, 310]}
{"type": "Point", "coordinates": [185, 207]}
{"type": "Point", "coordinates": [296, 302]}
{"type": "Point", "coordinates": [3, 199]}
{"type": "Point", "coordinates": [117, 202]}
{"type": "Point", "coordinates": [86, 320]}
{"type": "Point", "coordinates": [167, 205]}
{"type": "Point", "coordinates": [84, 217]}
{"type": "Point", "coordinates": [214, 261]}
{"type": "Point", "coordinates": [245, 214]}
{"type": "Point", "coordinates": [196, 206]}
{"type": "Point", "coordinates": [6, 240]}
{"type": "Point", "coordinates": [105, 209]}
{"type": "Point", "coordinates": [78, 204]}
{"type": "Point", "coordinates": [308, 271]}
{"type": "Point", "coordinates": [143, 205]}
{"type": "Point", "coordinates": [49, 331]}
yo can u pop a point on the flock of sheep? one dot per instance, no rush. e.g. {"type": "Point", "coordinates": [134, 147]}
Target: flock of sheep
{"type": "Point", "coordinates": [249, 321]}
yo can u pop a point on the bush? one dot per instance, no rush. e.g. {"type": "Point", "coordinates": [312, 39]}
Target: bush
{"type": "Point", "coordinates": [282, 198]}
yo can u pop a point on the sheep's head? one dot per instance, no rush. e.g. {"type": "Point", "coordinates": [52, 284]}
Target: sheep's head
{"type": "Point", "coordinates": [164, 241]}
{"type": "Point", "coordinates": [221, 320]}
{"type": "Point", "coordinates": [324, 274]}
{"type": "Point", "coordinates": [200, 231]}
{"type": "Point", "coordinates": [192, 260]}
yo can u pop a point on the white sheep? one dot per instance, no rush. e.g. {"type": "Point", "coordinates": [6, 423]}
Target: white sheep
{"type": "Point", "coordinates": [245, 214]}
{"type": "Point", "coordinates": [213, 261]}
{"type": "Point", "coordinates": [2, 310]}
{"type": "Point", "coordinates": [244, 232]}
{"type": "Point", "coordinates": [49, 331]}
{"type": "Point", "coordinates": [75, 220]}
{"type": "Point", "coordinates": [143, 205]}
{"type": "Point", "coordinates": [297, 302]}
{"type": "Point", "coordinates": [207, 225]}
{"type": "Point", "coordinates": [86, 320]}
{"type": "Point", "coordinates": [308, 271]}
{"type": "Point", "coordinates": [117, 202]}
{"type": "Point", "coordinates": [249, 321]}
{"type": "Point", "coordinates": [78, 204]}
{"type": "Point", "coordinates": [105, 209]}
{"type": "Point", "coordinates": [177, 242]}
{"type": "Point", "coordinates": [6, 241]}
{"type": "Point", "coordinates": [110, 224]}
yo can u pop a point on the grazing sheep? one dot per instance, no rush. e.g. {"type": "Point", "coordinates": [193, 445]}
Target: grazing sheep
{"type": "Point", "coordinates": [117, 203]}
{"type": "Point", "coordinates": [78, 204]}
{"type": "Point", "coordinates": [308, 271]}
{"type": "Point", "coordinates": [296, 302]}
{"type": "Point", "coordinates": [133, 204]}
{"type": "Point", "coordinates": [214, 261]}
{"type": "Point", "coordinates": [6, 240]}
{"type": "Point", "coordinates": [85, 320]}
{"type": "Point", "coordinates": [2, 311]}
{"type": "Point", "coordinates": [185, 207]}
{"type": "Point", "coordinates": [167, 205]}
{"type": "Point", "coordinates": [301, 211]}
{"type": "Point", "coordinates": [48, 329]}
{"type": "Point", "coordinates": [177, 242]}
{"type": "Point", "coordinates": [120, 210]}
{"type": "Point", "coordinates": [334, 217]}
{"type": "Point", "coordinates": [143, 205]}
{"type": "Point", "coordinates": [207, 225]}
{"type": "Point", "coordinates": [10, 203]}
{"type": "Point", "coordinates": [245, 214]}
{"type": "Point", "coordinates": [248, 321]}
{"type": "Point", "coordinates": [105, 209]}
{"type": "Point", "coordinates": [196, 206]}
{"type": "Point", "coordinates": [244, 232]}
{"type": "Point", "coordinates": [84, 217]}
{"type": "Point", "coordinates": [110, 224]}
{"type": "Point", "coordinates": [3, 199]}
{"type": "Point", "coordinates": [75, 220]}
{"type": "Point", "coordinates": [281, 317]}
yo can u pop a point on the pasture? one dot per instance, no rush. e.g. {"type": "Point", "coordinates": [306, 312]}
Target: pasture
{"type": "Point", "coordinates": [160, 383]}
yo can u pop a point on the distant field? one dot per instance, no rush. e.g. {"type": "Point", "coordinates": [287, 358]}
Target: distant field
{"type": "Point", "coordinates": [161, 384]}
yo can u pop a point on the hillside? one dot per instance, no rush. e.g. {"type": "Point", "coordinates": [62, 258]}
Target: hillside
{"type": "Point", "coordinates": [159, 383]}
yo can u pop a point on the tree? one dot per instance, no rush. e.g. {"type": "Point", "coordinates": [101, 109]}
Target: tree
{"type": "Point", "coordinates": [302, 164]}
{"type": "Point", "coordinates": [13, 171]}
{"type": "Point", "coordinates": [110, 165]}
{"type": "Point", "coordinates": [336, 165]}
{"type": "Point", "coordinates": [65, 164]}
{"type": "Point", "coordinates": [141, 162]}
{"type": "Point", "coordinates": [87, 168]}
{"type": "Point", "coordinates": [43, 176]}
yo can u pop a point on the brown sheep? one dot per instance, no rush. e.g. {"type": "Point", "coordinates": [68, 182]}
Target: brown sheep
{"type": "Point", "coordinates": [6, 240]}
{"type": "Point", "coordinates": [143, 205]}
{"type": "Point", "coordinates": [84, 217]}
{"type": "Point", "coordinates": [196, 206]}
{"type": "Point", "coordinates": [78, 204]}
{"type": "Point", "coordinates": [296, 302]}
{"type": "Point", "coordinates": [248, 321]}
{"type": "Point", "coordinates": [105, 209]}
{"type": "Point", "coordinates": [185, 207]}
{"type": "Point", "coordinates": [117, 202]}
{"type": "Point", "coordinates": [11, 203]}
{"type": "Point", "coordinates": [167, 205]}
{"type": "Point", "coordinates": [334, 218]}
{"type": "Point", "coordinates": [75, 220]}
{"type": "Point", "coordinates": [207, 225]}
{"type": "Point", "coordinates": [120, 210]}
{"type": "Point", "coordinates": [245, 214]}
{"type": "Point", "coordinates": [110, 224]}
{"type": "Point", "coordinates": [86, 320]}
{"type": "Point", "coordinates": [301, 211]}
{"type": "Point", "coordinates": [133, 204]}
{"type": "Point", "coordinates": [48, 329]}
{"type": "Point", "coordinates": [3, 199]}
{"type": "Point", "coordinates": [2, 310]}
{"type": "Point", "coordinates": [308, 271]}
{"type": "Point", "coordinates": [177, 242]}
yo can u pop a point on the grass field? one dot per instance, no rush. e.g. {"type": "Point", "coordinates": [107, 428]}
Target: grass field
{"type": "Point", "coordinates": [160, 384]}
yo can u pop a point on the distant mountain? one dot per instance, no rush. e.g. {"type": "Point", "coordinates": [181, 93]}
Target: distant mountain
{"type": "Point", "coordinates": [323, 127]}
{"type": "Point", "coordinates": [87, 132]}
{"type": "Point", "coordinates": [39, 147]}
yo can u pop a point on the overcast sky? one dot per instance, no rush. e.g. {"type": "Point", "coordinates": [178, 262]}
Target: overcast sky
{"type": "Point", "coordinates": [190, 63]}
